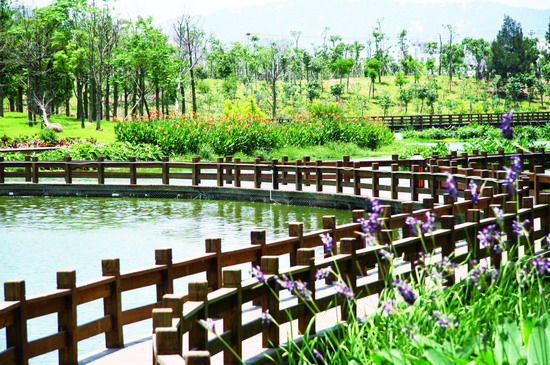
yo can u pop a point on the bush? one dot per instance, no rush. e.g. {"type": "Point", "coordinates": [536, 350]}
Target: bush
{"type": "Point", "coordinates": [430, 133]}
{"type": "Point", "coordinates": [228, 136]}
{"type": "Point", "coordinates": [475, 131]}
{"type": "Point", "coordinates": [112, 151]}
{"type": "Point", "coordinates": [320, 109]}
{"type": "Point", "coordinates": [47, 135]}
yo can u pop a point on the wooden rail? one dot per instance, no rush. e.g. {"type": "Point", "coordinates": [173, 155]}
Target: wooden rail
{"type": "Point", "coordinates": [354, 177]}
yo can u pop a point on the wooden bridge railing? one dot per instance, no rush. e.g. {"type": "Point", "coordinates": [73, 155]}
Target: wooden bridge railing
{"type": "Point", "coordinates": [17, 309]}
{"type": "Point", "coordinates": [360, 266]}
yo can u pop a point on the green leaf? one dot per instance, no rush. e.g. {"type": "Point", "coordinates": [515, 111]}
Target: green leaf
{"type": "Point", "coordinates": [438, 357]}
{"type": "Point", "coordinates": [538, 350]}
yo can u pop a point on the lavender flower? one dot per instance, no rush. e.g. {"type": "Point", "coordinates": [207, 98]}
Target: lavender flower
{"type": "Point", "coordinates": [451, 187]}
{"type": "Point", "coordinates": [258, 274]}
{"type": "Point", "coordinates": [266, 317]}
{"type": "Point", "coordinates": [322, 273]}
{"type": "Point", "coordinates": [519, 228]}
{"type": "Point", "coordinates": [444, 320]}
{"type": "Point", "coordinates": [286, 283]}
{"type": "Point", "coordinates": [388, 307]}
{"type": "Point", "coordinates": [318, 355]}
{"type": "Point", "coordinates": [506, 125]}
{"type": "Point", "coordinates": [499, 214]}
{"type": "Point", "coordinates": [473, 190]}
{"type": "Point", "coordinates": [517, 164]}
{"type": "Point", "coordinates": [488, 235]}
{"type": "Point", "coordinates": [405, 290]}
{"type": "Point", "coordinates": [301, 289]}
{"type": "Point", "coordinates": [328, 242]}
{"type": "Point", "coordinates": [376, 207]}
{"type": "Point", "coordinates": [385, 254]}
{"type": "Point", "coordinates": [541, 265]}
{"type": "Point", "coordinates": [209, 324]}
{"type": "Point", "coordinates": [343, 289]}
{"type": "Point", "coordinates": [417, 225]}
{"type": "Point", "coordinates": [482, 272]}
{"type": "Point", "coordinates": [510, 180]}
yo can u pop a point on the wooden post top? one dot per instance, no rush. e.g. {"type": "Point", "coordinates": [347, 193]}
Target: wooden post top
{"type": "Point", "coordinates": [198, 291]}
{"type": "Point", "coordinates": [232, 278]}
{"type": "Point", "coordinates": [163, 256]}
{"type": "Point", "coordinates": [110, 267]}
{"type": "Point", "coordinates": [14, 290]}
{"type": "Point", "coordinates": [66, 279]}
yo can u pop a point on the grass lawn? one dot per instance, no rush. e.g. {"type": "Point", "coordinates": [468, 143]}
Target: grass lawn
{"type": "Point", "coordinates": [16, 125]}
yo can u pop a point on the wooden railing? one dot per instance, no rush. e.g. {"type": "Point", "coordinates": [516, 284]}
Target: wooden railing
{"type": "Point", "coordinates": [420, 186]}
{"type": "Point", "coordinates": [359, 265]}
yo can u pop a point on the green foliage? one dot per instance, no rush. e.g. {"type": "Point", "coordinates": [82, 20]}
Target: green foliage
{"type": "Point", "coordinates": [322, 109]}
{"type": "Point", "coordinates": [430, 133]}
{"type": "Point", "coordinates": [240, 107]}
{"type": "Point", "coordinates": [337, 90]}
{"type": "Point", "coordinates": [247, 135]}
{"type": "Point", "coordinates": [47, 135]}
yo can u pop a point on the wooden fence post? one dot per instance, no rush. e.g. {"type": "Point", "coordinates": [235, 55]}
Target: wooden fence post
{"type": "Point", "coordinates": [539, 170]}
{"type": "Point", "coordinates": [356, 179]}
{"type": "Point", "coordinates": [2, 171]}
{"type": "Point", "coordinates": [195, 171]}
{"type": "Point", "coordinates": [270, 302]}
{"type": "Point", "coordinates": [198, 335]}
{"type": "Point", "coordinates": [318, 175]}
{"type": "Point", "coordinates": [167, 341]}
{"type": "Point", "coordinates": [473, 215]}
{"type": "Point", "coordinates": [295, 229]}
{"type": "Point", "coordinates": [133, 170]}
{"type": "Point", "coordinates": [298, 176]}
{"type": "Point", "coordinates": [214, 272]}
{"type": "Point", "coordinates": [257, 174]}
{"type": "Point", "coordinates": [347, 246]}
{"type": "Point", "coordinates": [27, 168]}
{"type": "Point", "coordinates": [162, 317]}
{"type": "Point", "coordinates": [306, 257]}
{"type": "Point", "coordinates": [34, 170]}
{"type": "Point", "coordinates": [258, 238]}
{"type": "Point", "coordinates": [175, 303]}
{"type": "Point", "coordinates": [219, 171]}
{"type": "Point", "coordinates": [165, 170]}
{"type": "Point", "coordinates": [237, 173]}
{"type": "Point", "coordinates": [68, 170]}
{"type": "Point", "coordinates": [112, 304]}
{"type": "Point", "coordinates": [163, 256]}
{"type": "Point", "coordinates": [197, 358]}
{"type": "Point", "coordinates": [284, 161]}
{"type": "Point", "coordinates": [394, 181]}
{"type": "Point", "coordinates": [339, 187]}
{"type": "Point", "coordinates": [66, 318]}
{"type": "Point", "coordinates": [16, 334]}
{"type": "Point", "coordinates": [414, 182]}
{"type": "Point", "coordinates": [100, 170]}
{"type": "Point", "coordinates": [232, 318]}
{"type": "Point", "coordinates": [449, 245]}
{"type": "Point", "coordinates": [375, 180]}
{"type": "Point", "coordinates": [274, 174]}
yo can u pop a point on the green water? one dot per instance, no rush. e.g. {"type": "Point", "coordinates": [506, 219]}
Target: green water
{"type": "Point", "coordinates": [39, 236]}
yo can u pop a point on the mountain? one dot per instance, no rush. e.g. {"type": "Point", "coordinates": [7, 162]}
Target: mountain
{"type": "Point", "coordinates": [355, 19]}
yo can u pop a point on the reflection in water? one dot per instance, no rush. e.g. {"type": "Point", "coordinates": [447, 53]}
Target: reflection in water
{"type": "Point", "coordinates": [39, 236]}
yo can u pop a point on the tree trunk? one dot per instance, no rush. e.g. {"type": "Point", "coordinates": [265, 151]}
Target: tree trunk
{"type": "Point", "coordinates": [107, 106]}
{"type": "Point", "coordinates": [134, 101]}
{"type": "Point", "coordinates": [115, 100]}
{"type": "Point", "coordinates": [2, 96]}
{"type": "Point", "coordinates": [79, 103]}
{"type": "Point", "coordinates": [85, 99]}
{"type": "Point", "coordinates": [12, 103]}
{"type": "Point", "coordinates": [99, 107]}
{"type": "Point", "coordinates": [141, 92]}
{"type": "Point", "coordinates": [193, 92]}
{"type": "Point", "coordinates": [157, 97]}
{"type": "Point", "coordinates": [68, 106]}
{"type": "Point", "coordinates": [19, 99]}
{"type": "Point", "coordinates": [125, 102]}
{"type": "Point", "coordinates": [92, 108]}
{"type": "Point", "coordinates": [182, 93]}
{"type": "Point", "coordinates": [29, 103]}
{"type": "Point", "coordinates": [274, 97]}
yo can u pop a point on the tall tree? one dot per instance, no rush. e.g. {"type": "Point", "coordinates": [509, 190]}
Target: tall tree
{"type": "Point", "coordinates": [480, 50]}
{"type": "Point", "coordinates": [511, 52]}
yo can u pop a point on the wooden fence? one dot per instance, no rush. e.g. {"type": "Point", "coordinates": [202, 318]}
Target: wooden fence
{"type": "Point", "coordinates": [396, 122]}
{"type": "Point", "coordinates": [424, 186]}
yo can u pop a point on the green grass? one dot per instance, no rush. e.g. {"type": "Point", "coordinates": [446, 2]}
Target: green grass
{"type": "Point", "coordinates": [16, 125]}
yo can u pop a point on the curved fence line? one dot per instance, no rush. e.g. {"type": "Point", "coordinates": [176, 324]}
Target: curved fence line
{"type": "Point", "coordinates": [342, 176]}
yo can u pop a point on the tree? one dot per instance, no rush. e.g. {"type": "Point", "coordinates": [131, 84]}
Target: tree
{"type": "Point", "coordinates": [342, 67]}
{"type": "Point", "coordinates": [511, 52]}
{"type": "Point", "coordinates": [405, 97]}
{"type": "Point", "coordinates": [400, 79]}
{"type": "Point", "coordinates": [191, 45]}
{"type": "Point", "coordinates": [480, 50]}
{"type": "Point", "coordinates": [273, 62]}
{"type": "Point", "coordinates": [386, 103]}
{"type": "Point", "coordinates": [6, 13]}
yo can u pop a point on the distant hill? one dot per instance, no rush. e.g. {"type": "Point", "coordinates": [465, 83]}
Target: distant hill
{"type": "Point", "coordinates": [354, 19]}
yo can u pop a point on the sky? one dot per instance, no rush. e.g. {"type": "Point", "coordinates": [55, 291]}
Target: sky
{"type": "Point", "coordinates": [163, 10]}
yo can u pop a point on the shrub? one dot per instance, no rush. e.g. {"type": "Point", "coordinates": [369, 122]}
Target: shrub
{"type": "Point", "coordinates": [475, 131]}
{"type": "Point", "coordinates": [430, 133]}
{"type": "Point", "coordinates": [112, 151]}
{"type": "Point", "coordinates": [47, 135]}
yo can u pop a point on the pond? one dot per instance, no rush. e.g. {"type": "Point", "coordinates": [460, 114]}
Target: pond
{"type": "Point", "coordinates": [40, 236]}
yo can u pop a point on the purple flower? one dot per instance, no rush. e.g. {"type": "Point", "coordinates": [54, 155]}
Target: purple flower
{"type": "Point", "coordinates": [450, 186]}
{"type": "Point", "coordinates": [417, 225]}
{"type": "Point", "coordinates": [258, 274]}
{"type": "Point", "coordinates": [506, 125]}
{"type": "Point", "coordinates": [376, 207]}
{"type": "Point", "coordinates": [519, 228]}
{"type": "Point", "coordinates": [385, 254]}
{"type": "Point", "coordinates": [209, 324]}
{"type": "Point", "coordinates": [510, 180]}
{"type": "Point", "coordinates": [405, 290]}
{"type": "Point", "coordinates": [343, 289]}
{"type": "Point", "coordinates": [499, 214]}
{"type": "Point", "coordinates": [318, 355]}
{"type": "Point", "coordinates": [388, 307]}
{"type": "Point", "coordinates": [322, 273]}
{"type": "Point", "coordinates": [473, 190]}
{"type": "Point", "coordinates": [488, 235]}
{"type": "Point", "coordinates": [517, 164]}
{"type": "Point", "coordinates": [547, 240]}
{"type": "Point", "coordinates": [541, 265]}
{"type": "Point", "coordinates": [444, 320]}
{"type": "Point", "coordinates": [328, 242]}
{"type": "Point", "coordinates": [266, 317]}
{"type": "Point", "coordinates": [482, 271]}
{"type": "Point", "coordinates": [286, 283]}
{"type": "Point", "coordinates": [301, 289]}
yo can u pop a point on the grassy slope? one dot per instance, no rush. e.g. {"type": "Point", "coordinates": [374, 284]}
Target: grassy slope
{"type": "Point", "coordinates": [15, 125]}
